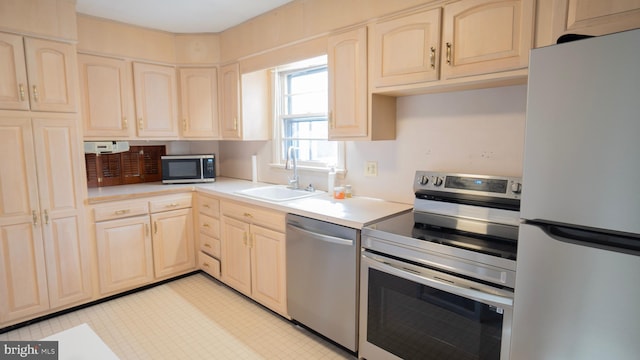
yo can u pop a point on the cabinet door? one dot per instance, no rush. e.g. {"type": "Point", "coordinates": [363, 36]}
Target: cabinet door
{"type": "Point", "coordinates": [173, 244]}
{"type": "Point", "coordinates": [482, 37]}
{"type": "Point", "coordinates": [105, 85]}
{"type": "Point", "coordinates": [236, 255]}
{"type": "Point", "coordinates": [268, 268]}
{"type": "Point", "coordinates": [23, 282]}
{"type": "Point", "coordinates": [405, 50]}
{"type": "Point", "coordinates": [230, 101]}
{"type": "Point", "coordinates": [13, 74]}
{"type": "Point", "coordinates": [51, 68]}
{"type": "Point", "coordinates": [347, 65]}
{"type": "Point", "coordinates": [125, 258]}
{"type": "Point", "coordinates": [156, 100]}
{"type": "Point", "coordinates": [595, 17]}
{"type": "Point", "coordinates": [60, 175]}
{"type": "Point", "coordinates": [199, 103]}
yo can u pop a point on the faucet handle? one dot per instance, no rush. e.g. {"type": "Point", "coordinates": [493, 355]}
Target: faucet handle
{"type": "Point", "coordinates": [310, 188]}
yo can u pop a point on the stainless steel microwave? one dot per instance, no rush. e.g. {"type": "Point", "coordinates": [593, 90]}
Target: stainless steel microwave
{"type": "Point", "coordinates": [182, 169]}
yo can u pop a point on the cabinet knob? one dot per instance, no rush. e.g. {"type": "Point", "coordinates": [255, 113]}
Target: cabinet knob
{"type": "Point", "coordinates": [21, 90]}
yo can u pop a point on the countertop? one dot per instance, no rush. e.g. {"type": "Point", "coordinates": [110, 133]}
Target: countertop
{"type": "Point", "coordinates": [356, 212]}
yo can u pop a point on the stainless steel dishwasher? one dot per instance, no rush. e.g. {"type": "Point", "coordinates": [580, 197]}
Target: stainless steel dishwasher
{"type": "Point", "coordinates": [322, 278]}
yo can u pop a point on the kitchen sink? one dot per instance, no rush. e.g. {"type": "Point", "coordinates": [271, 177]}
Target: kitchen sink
{"type": "Point", "coordinates": [278, 193]}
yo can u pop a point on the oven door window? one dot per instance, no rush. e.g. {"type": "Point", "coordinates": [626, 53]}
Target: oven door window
{"type": "Point", "coordinates": [414, 321]}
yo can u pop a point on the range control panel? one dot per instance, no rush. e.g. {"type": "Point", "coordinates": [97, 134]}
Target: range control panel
{"type": "Point", "coordinates": [486, 185]}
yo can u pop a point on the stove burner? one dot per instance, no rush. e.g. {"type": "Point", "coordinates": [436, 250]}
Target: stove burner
{"type": "Point", "coordinates": [489, 245]}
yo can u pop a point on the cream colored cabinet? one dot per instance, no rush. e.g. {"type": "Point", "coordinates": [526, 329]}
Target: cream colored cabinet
{"type": "Point", "coordinates": [38, 76]}
{"type": "Point", "coordinates": [253, 254]}
{"type": "Point", "coordinates": [484, 37]}
{"type": "Point", "coordinates": [125, 258]}
{"type": "Point", "coordinates": [173, 243]}
{"type": "Point", "coordinates": [230, 101]}
{"type": "Point", "coordinates": [106, 97]}
{"type": "Point", "coordinates": [44, 256]}
{"type": "Point", "coordinates": [405, 50]}
{"type": "Point", "coordinates": [208, 225]}
{"type": "Point", "coordinates": [199, 103]}
{"type": "Point", "coordinates": [140, 241]}
{"type": "Point", "coordinates": [355, 113]}
{"type": "Point", "coordinates": [156, 100]}
{"type": "Point", "coordinates": [589, 17]}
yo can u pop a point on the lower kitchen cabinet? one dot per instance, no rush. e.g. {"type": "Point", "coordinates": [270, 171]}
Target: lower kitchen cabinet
{"type": "Point", "coordinates": [125, 258]}
{"type": "Point", "coordinates": [253, 254]}
{"type": "Point", "coordinates": [173, 246]}
{"type": "Point", "coordinates": [141, 241]}
{"type": "Point", "coordinates": [209, 234]}
{"type": "Point", "coordinates": [44, 258]}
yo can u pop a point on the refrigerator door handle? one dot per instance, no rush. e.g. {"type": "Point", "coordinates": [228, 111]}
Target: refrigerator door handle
{"type": "Point", "coordinates": [593, 238]}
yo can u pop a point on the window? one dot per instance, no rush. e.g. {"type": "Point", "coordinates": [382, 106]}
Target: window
{"type": "Point", "coordinates": [301, 115]}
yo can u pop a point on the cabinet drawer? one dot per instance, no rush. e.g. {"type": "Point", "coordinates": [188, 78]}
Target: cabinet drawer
{"type": "Point", "coordinates": [209, 265]}
{"type": "Point", "coordinates": [209, 226]}
{"type": "Point", "coordinates": [170, 203]}
{"type": "Point", "coordinates": [120, 209]}
{"type": "Point", "coordinates": [260, 216]}
{"type": "Point", "coordinates": [208, 206]}
{"type": "Point", "coordinates": [210, 245]}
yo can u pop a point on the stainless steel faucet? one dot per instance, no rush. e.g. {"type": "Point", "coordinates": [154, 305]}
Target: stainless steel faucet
{"type": "Point", "coordinates": [294, 181]}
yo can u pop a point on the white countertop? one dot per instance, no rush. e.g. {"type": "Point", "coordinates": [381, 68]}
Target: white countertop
{"type": "Point", "coordinates": [355, 212]}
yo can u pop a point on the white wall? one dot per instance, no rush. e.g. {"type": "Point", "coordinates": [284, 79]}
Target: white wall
{"type": "Point", "coordinates": [475, 132]}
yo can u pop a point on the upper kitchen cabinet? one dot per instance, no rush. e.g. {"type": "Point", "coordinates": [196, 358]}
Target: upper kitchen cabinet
{"type": "Point", "coordinates": [351, 115]}
{"type": "Point", "coordinates": [106, 92]}
{"type": "Point", "coordinates": [244, 104]}
{"type": "Point", "coordinates": [590, 17]}
{"type": "Point", "coordinates": [156, 100]}
{"type": "Point", "coordinates": [39, 75]}
{"type": "Point", "coordinates": [199, 103]}
{"type": "Point", "coordinates": [406, 50]}
{"type": "Point", "coordinates": [484, 37]}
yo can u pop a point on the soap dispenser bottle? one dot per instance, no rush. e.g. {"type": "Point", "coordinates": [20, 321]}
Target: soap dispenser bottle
{"type": "Point", "coordinates": [331, 180]}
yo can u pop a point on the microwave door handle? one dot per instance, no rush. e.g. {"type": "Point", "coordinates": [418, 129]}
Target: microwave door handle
{"type": "Point", "coordinates": [491, 299]}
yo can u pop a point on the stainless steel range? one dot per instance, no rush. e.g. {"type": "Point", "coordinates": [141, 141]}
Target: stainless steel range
{"type": "Point", "coordinates": [438, 283]}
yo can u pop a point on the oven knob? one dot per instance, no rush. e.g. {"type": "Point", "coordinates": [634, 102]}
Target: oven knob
{"type": "Point", "coordinates": [437, 181]}
{"type": "Point", "coordinates": [423, 180]}
{"type": "Point", "coordinates": [516, 187]}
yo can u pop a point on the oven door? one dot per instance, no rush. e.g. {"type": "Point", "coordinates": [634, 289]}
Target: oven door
{"type": "Point", "coordinates": [411, 312]}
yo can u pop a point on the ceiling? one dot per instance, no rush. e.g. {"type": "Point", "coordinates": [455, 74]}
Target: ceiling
{"type": "Point", "coordinates": [179, 16]}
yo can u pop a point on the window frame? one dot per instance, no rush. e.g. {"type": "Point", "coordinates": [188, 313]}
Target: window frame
{"type": "Point", "coordinates": [279, 160]}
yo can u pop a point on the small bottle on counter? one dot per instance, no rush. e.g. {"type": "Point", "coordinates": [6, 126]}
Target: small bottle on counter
{"type": "Point", "coordinates": [347, 191]}
{"type": "Point", "coordinates": [338, 192]}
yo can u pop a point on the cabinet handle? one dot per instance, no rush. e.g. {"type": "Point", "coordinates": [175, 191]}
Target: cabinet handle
{"type": "Point", "coordinates": [121, 212]}
{"type": "Point", "coordinates": [206, 206]}
{"type": "Point", "coordinates": [21, 89]}
{"type": "Point", "coordinates": [449, 53]}
{"type": "Point", "coordinates": [248, 215]}
{"type": "Point", "coordinates": [35, 93]}
{"type": "Point", "coordinates": [35, 218]}
{"type": "Point", "coordinates": [433, 57]}
{"type": "Point", "coordinates": [46, 217]}
{"type": "Point", "coordinates": [155, 227]}
{"type": "Point", "coordinates": [125, 123]}
{"type": "Point", "coordinates": [172, 205]}
{"type": "Point", "coordinates": [207, 245]}
{"type": "Point", "coordinates": [205, 225]}
{"type": "Point", "coordinates": [330, 119]}
{"type": "Point", "coordinates": [140, 124]}
{"type": "Point", "coordinates": [205, 265]}
{"type": "Point", "coordinates": [235, 123]}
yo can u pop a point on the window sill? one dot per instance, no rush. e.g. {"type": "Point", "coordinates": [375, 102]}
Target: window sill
{"type": "Point", "coordinates": [339, 172]}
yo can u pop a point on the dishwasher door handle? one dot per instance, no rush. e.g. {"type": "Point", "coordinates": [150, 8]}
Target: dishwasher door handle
{"type": "Point", "coordinates": [322, 237]}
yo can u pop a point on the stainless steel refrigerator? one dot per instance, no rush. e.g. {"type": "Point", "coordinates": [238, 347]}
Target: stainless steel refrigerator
{"type": "Point", "coordinates": [577, 291]}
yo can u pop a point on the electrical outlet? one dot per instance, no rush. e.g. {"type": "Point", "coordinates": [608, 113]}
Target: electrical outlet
{"type": "Point", "coordinates": [371, 168]}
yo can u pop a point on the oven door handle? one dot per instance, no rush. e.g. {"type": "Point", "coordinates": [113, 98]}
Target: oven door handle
{"type": "Point", "coordinates": [409, 274]}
